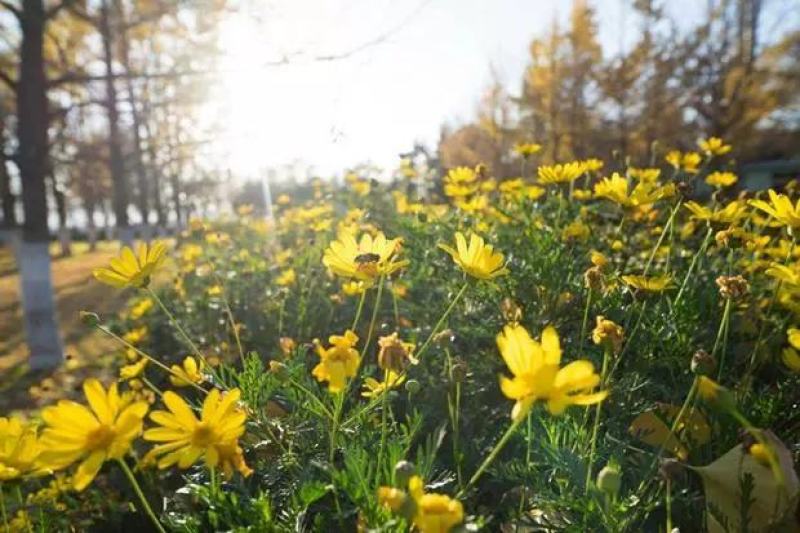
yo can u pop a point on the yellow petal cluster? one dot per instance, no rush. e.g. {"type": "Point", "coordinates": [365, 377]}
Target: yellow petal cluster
{"type": "Point", "coordinates": [339, 362]}
{"type": "Point", "coordinates": [93, 435]}
{"type": "Point", "coordinates": [566, 173]}
{"type": "Point", "coordinates": [538, 376]}
{"type": "Point", "coordinates": [364, 259]}
{"type": "Point", "coordinates": [477, 259]}
{"type": "Point", "coordinates": [185, 438]}
{"type": "Point", "coordinates": [131, 269]}
{"type": "Point", "coordinates": [780, 208]}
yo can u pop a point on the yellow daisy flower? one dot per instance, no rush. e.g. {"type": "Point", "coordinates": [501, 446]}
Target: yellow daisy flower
{"type": "Point", "coordinates": [553, 174]}
{"type": "Point", "coordinates": [339, 362]}
{"type": "Point", "coordinates": [132, 270]}
{"type": "Point", "coordinates": [714, 146]}
{"type": "Point", "coordinates": [93, 435]}
{"type": "Point", "coordinates": [721, 179]}
{"type": "Point", "coordinates": [537, 376]}
{"type": "Point", "coordinates": [185, 438]}
{"type": "Point", "coordinates": [373, 387]}
{"type": "Point", "coordinates": [435, 513]}
{"type": "Point", "coordinates": [187, 373]}
{"type": "Point", "coordinates": [780, 208]}
{"type": "Point", "coordinates": [19, 449]}
{"type": "Point", "coordinates": [730, 214]}
{"type": "Point", "coordinates": [617, 189]}
{"type": "Point", "coordinates": [650, 284]}
{"type": "Point", "coordinates": [365, 259]}
{"type": "Point", "coordinates": [286, 278]}
{"type": "Point", "coordinates": [479, 260]}
{"type": "Point", "coordinates": [527, 149]}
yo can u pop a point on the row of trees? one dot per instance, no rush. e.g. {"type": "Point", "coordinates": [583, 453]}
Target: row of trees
{"type": "Point", "coordinates": [99, 98]}
{"type": "Point", "coordinates": [728, 75]}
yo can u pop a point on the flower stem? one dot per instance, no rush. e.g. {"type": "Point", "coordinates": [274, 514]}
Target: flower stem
{"type": "Point", "coordinates": [596, 425]}
{"type": "Point", "coordinates": [490, 458]}
{"type": "Point", "coordinates": [585, 321]}
{"type": "Point", "coordinates": [147, 356]}
{"type": "Point", "coordinates": [359, 309]}
{"type": "Point", "coordinates": [661, 237]}
{"type": "Point", "coordinates": [138, 490]}
{"type": "Point", "coordinates": [722, 333]}
{"type": "Point", "coordinates": [21, 501]}
{"type": "Point", "coordinates": [444, 316]}
{"type": "Point", "coordinates": [384, 408]}
{"type": "Point", "coordinates": [689, 272]}
{"type": "Point", "coordinates": [3, 509]}
{"type": "Point", "coordinates": [229, 314]}
{"type": "Point", "coordinates": [337, 412]}
{"type": "Point", "coordinates": [177, 326]}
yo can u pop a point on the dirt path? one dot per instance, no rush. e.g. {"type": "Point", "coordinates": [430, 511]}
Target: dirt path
{"type": "Point", "coordinates": [75, 290]}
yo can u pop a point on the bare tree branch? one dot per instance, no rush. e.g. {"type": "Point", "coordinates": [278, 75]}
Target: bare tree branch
{"type": "Point", "coordinates": [11, 7]}
{"type": "Point", "coordinates": [8, 80]}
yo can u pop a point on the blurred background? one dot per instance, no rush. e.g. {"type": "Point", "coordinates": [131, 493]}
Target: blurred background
{"type": "Point", "coordinates": [122, 119]}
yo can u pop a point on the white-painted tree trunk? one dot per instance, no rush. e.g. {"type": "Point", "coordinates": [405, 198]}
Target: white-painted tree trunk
{"type": "Point", "coordinates": [65, 241]}
{"type": "Point", "coordinates": [125, 236]}
{"type": "Point", "coordinates": [38, 305]}
{"type": "Point", "coordinates": [146, 232]}
{"type": "Point", "coordinates": [91, 236]}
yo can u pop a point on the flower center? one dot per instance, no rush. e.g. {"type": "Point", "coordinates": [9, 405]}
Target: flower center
{"type": "Point", "coordinates": [100, 438]}
{"type": "Point", "coordinates": [203, 435]}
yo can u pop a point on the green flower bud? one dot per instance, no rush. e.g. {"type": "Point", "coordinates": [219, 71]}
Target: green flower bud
{"type": "Point", "coordinates": [413, 386]}
{"type": "Point", "coordinates": [609, 479]}
{"type": "Point", "coordinates": [90, 319]}
{"type": "Point", "coordinates": [403, 471]}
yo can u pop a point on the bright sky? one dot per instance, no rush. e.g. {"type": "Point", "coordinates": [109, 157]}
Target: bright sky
{"type": "Point", "coordinates": [432, 68]}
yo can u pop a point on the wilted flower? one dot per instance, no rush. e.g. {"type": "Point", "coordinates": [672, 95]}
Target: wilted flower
{"type": "Point", "coordinates": [733, 287]}
{"type": "Point", "coordinates": [608, 333]}
{"type": "Point", "coordinates": [394, 354]}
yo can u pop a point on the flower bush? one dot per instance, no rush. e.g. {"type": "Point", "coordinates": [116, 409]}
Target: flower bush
{"type": "Point", "coordinates": [562, 350]}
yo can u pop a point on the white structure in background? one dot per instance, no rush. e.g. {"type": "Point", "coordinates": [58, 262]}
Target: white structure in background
{"type": "Point", "coordinates": [268, 176]}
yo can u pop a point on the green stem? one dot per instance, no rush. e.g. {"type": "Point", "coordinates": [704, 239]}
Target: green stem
{"type": "Point", "coordinates": [178, 327]}
{"type": "Point", "coordinates": [311, 395]}
{"type": "Point", "coordinates": [444, 316]}
{"type": "Point", "coordinates": [490, 458]}
{"type": "Point", "coordinates": [374, 318]}
{"type": "Point", "coordinates": [3, 508]}
{"type": "Point", "coordinates": [358, 310]}
{"type": "Point", "coordinates": [337, 412]}
{"type": "Point", "coordinates": [689, 273]}
{"type": "Point", "coordinates": [21, 501]}
{"type": "Point", "coordinates": [722, 333]}
{"type": "Point", "coordinates": [596, 425]}
{"type": "Point", "coordinates": [661, 237]}
{"type": "Point", "coordinates": [138, 490]}
{"type": "Point", "coordinates": [384, 408]}
{"type": "Point", "coordinates": [585, 321]}
{"type": "Point", "coordinates": [147, 356]}
{"type": "Point", "coordinates": [229, 313]}
{"type": "Point", "coordinates": [669, 506]}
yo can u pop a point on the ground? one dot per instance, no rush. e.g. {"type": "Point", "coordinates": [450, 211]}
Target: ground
{"type": "Point", "coordinates": [75, 290]}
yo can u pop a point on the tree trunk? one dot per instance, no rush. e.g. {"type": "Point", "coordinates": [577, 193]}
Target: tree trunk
{"type": "Point", "coordinates": [91, 227]}
{"type": "Point", "coordinates": [7, 199]}
{"type": "Point", "coordinates": [64, 237]}
{"type": "Point", "coordinates": [118, 176]}
{"type": "Point", "coordinates": [143, 198]}
{"type": "Point", "coordinates": [33, 257]}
